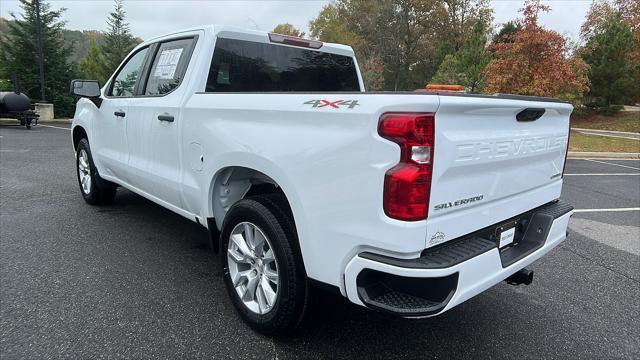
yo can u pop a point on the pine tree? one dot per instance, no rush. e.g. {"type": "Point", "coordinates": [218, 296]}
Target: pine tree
{"type": "Point", "coordinates": [506, 33]}
{"type": "Point", "coordinates": [119, 40]}
{"type": "Point", "coordinates": [474, 57]}
{"type": "Point", "coordinates": [611, 71]}
{"type": "Point", "coordinates": [449, 72]}
{"type": "Point", "coordinates": [92, 65]}
{"type": "Point", "coordinates": [466, 66]}
{"type": "Point", "coordinates": [18, 54]}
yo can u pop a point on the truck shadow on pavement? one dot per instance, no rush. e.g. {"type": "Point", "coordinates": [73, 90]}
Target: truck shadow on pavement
{"type": "Point", "coordinates": [498, 323]}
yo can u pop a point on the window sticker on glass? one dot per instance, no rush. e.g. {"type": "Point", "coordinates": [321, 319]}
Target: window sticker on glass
{"type": "Point", "coordinates": [168, 63]}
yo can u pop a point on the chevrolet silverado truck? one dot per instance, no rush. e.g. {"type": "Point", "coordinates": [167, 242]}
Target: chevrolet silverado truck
{"type": "Point", "coordinates": [407, 202]}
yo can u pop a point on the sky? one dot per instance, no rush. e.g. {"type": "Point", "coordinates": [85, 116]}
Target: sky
{"type": "Point", "coordinates": [149, 18]}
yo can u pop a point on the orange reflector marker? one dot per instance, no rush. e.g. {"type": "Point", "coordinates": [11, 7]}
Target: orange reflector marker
{"type": "Point", "coordinates": [444, 87]}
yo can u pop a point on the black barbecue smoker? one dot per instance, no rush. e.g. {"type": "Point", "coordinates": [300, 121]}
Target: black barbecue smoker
{"type": "Point", "coordinates": [16, 105]}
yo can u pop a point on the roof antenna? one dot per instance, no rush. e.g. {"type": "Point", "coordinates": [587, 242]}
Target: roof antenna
{"type": "Point", "coordinates": [254, 23]}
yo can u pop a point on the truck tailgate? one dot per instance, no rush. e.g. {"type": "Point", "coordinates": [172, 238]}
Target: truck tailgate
{"type": "Point", "coordinates": [489, 166]}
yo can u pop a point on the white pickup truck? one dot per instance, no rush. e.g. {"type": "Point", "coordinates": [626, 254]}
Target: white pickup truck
{"type": "Point", "coordinates": [408, 203]}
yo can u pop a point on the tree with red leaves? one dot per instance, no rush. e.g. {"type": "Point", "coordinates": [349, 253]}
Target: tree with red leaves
{"type": "Point", "coordinates": [535, 62]}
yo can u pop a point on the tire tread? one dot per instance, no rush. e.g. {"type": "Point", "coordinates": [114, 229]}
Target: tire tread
{"type": "Point", "coordinates": [102, 192]}
{"type": "Point", "coordinates": [289, 313]}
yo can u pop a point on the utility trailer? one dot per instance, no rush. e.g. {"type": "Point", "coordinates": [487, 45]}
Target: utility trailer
{"type": "Point", "coordinates": [16, 105]}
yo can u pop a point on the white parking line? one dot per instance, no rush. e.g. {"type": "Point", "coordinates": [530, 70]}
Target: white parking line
{"type": "Point", "coordinates": [608, 163]}
{"type": "Point", "coordinates": [606, 210]}
{"type": "Point", "coordinates": [54, 127]}
{"type": "Point", "coordinates": [600, 174]}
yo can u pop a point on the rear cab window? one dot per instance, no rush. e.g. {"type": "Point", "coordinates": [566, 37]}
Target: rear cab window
{"type": "Point", "coordinates": [247, 66]}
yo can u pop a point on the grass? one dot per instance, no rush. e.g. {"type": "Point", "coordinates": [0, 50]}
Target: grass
{"type": "Point", "coordinates": [582, 142]}
{"type": "Point", "coordinates": [623, 121]}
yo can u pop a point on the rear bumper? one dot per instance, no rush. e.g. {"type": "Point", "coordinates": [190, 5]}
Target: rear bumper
{"type": "Point", "coordinates": [449, 275]}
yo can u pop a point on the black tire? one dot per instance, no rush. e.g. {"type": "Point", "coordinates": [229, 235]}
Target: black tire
{"type": "Point", "coordinates": [100, 191]}
{"type": "Point", "coordinates": [271, 215]}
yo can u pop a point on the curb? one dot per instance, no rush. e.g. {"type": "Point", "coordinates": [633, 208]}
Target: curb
{"type": "Point", "coordinates": [602, 155]}
{"type": "Point", "coordinates": [56, 121]}
{"type": "Point", "coordinates": [607, 131]}
{"type": "Point", "coordinates": [5, 121]}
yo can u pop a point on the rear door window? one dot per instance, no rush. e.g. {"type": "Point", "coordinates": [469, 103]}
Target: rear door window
{"type": "Point", "coordinates": [169, 66]}
{"type": "Point", "coordinates": [247, 66]}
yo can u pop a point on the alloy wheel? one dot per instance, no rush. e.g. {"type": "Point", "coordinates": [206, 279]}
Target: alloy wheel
{"type": "Point", "coordinates": [84, 171]}
{"type": "Point", "coordinates": [253, 267]}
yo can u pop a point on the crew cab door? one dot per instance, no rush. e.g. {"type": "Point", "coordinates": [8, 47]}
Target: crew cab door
{"type": "Point", "coordinates": [153, 132]}
{"type": "Point", "coordinates": [109, 146]}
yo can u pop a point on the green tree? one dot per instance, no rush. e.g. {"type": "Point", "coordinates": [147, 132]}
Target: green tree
{"type": "Point", "coordinates": [287, 29]}
{"type": "Point", "coordinates": [449, 71]}
{"type": "Point", "coordinates": [119, 41]}
{"type": "Point", "coordinates": [408, 37]}
{"type": "Point", "coordinates": [463, 16]}
{"type": "Point", "coordinates": [18, 55]}
{"type": "Point", "coordinates": [92, 65]}
{"type": "Point", "coordinates": [611, 70]}
{"type": "Point", "coordinates": [393, 31]}
{"type": "Point", "coordinates": [330, 26]}
{"type": "Point", "coordinates": [474, 57]}
{"type": "Point", "coordinates": [507, 32]}
{"type": "Point", "coordinates": [597, 21]}
{"type": "Point", "coordinates": [466, 66]}
{"type": "Point", "coordinates": [5, 84]}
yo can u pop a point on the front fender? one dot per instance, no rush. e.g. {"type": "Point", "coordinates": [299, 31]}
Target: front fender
{"type": "Point", "coordinates": [85, 113]}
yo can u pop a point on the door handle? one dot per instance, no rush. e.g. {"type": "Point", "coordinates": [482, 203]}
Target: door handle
{"type": "Point", "coordinates": [119, 113]}
{"type": "Point", "coordinates": [166, 117]}
{"type": "Point", "coordinates": [530, 114]}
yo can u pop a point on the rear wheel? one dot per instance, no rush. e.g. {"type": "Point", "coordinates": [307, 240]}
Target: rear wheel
{"type": "Point", "coordinates": [94, 189]}
{"type": "Point", "coordinates": [263, 269]}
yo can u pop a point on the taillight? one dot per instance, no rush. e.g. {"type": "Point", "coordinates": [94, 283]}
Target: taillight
{"type": "Point", "coordinates": [408, 184]}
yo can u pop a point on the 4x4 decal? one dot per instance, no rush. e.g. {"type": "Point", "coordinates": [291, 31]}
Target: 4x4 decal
{"type": "Point", "coordinates": [334, 104]}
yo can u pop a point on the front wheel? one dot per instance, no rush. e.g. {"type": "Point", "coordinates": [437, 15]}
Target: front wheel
{"type": "Point", "coordinates": [94, 189]}
{"type": "Point", "coordinates": [263, 269]}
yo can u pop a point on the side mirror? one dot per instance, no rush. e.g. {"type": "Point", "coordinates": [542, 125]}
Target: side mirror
{"type": "Point", "coordinates": [87, 89]}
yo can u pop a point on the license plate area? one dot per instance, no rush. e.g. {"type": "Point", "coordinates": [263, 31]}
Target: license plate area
{"type": "Point", "coordinates": [508, 234]}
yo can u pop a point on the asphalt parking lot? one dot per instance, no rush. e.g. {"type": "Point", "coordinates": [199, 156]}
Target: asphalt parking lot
{"type": "Point", "coordinates": [134, 280]}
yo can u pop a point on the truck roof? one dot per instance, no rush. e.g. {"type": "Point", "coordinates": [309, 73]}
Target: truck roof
{"type": "Point", "coordinates": [239, 33]}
